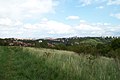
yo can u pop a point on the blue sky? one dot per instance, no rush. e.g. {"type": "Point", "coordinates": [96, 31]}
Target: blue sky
{"type": "Point", "coordinates": [59, 18]}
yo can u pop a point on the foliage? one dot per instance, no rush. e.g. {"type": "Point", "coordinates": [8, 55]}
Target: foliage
{"type": "Point", "coordinates": [91, 41]}
{"type": "Point", "coordinates": [103, 46]}
{"type": "Point", "coordinates": [60, 47]}
{"type": "Point", "coordinates": [42, 44]}
{"type": "Point", "coordinates": [115, 44]}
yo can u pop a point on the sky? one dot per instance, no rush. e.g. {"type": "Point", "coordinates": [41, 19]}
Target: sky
{"type": "Point", "coordinates": [59, 18]}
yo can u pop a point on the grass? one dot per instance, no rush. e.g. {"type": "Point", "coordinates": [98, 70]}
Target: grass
{"type": "Point", "coordinates": [91, 41]}
{"type": "Point", "coordinates": [18, 63]}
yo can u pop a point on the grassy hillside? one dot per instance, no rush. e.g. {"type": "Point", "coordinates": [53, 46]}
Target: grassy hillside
{"type": "Point", "coordinates": [91, 41]}
{"type": "Point", "coordinates": [17, 63]}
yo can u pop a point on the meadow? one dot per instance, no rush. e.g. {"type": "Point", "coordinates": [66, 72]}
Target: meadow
{"type": "Point", "coordinates": [26, 63]}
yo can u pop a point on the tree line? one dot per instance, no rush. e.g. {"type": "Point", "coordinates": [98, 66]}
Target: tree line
{"type": "Point", "coordinates": [107, 46]}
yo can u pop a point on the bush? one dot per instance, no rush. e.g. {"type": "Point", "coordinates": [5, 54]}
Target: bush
{"type": "Point", "coordinates": [115, 44]}
{"type": "Point", "coordinates": [115, 53]}
{"type": "Point", "coordinates": [103, 49]}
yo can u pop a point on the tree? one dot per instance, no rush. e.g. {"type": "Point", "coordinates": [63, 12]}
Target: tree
{"type": "Point", "coordinates": [115, 44]}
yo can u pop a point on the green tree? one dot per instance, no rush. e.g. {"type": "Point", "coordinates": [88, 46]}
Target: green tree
{"type": "Point", "coordinates": [115, 44]}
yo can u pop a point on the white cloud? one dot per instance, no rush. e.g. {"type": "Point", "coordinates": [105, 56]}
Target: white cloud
{"type": "Point", "coordinates": [58, 28]}
{"type": "Point", "coordinates": [5, 21]}
{"type": "Point", "coordinates": [116, 15]}
{"type": "Point", "coordinates": [106, 24]}
{"type": "Point", "coordinates": [47, 28]}
{"type": "Point", "coordinates": [113, 2]}
{"type": "Point", "coordinates": [30, 26]}
{"type": "Point", "coordinates": [82, 21]}
{"type": "Point", "coordinates": [18, 23]}
{"type": "Point", "coordinates": [43, 29]}
{"type": "Point", "coordinates": [107, 2]}
{"type": "Point", "coordinates": [101, 24]}
{"type": "Point", "coordinates": [51, 27]}
{"type": "Point", "coordinates": [17, 9]}
{"type": "Point", "coordinates": [85, 29]}
{"type": "Point", "coordinates": [72, 17]}
{"type": "Point", "coordinates": [86, 2]}
{"type": "Point", "coordinates": [9, 23]}
{"type": "Point", "coordinates": [44, 19]}
{"type": "Point", "coordinates": [100, 7]}
{"type": "Point", "coordinates": [54, 27]}
{"type": "Point", "coordinates": [28, 16]}
{"type": "Point", "coordinates": [38, 6]}
{"type": "Point", "coordinates": [13, 13]}
{"type": "Point", "coordinates": [89, 2]}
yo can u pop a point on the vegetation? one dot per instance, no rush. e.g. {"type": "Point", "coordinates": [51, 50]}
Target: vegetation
{"type": "Point", "coordinates": [23, 63]}
{"type": "Point", "coordinates": [103, 46]}
{"type": "Point", "coordinates": [95, 47]}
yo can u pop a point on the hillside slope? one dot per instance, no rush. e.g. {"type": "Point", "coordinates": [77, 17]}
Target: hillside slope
{"type": "Point", "coordinates": [18, 63]}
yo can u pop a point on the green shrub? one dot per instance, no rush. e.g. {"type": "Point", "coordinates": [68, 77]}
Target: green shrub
{"type": "Point", "coordinates": [115, 44]}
